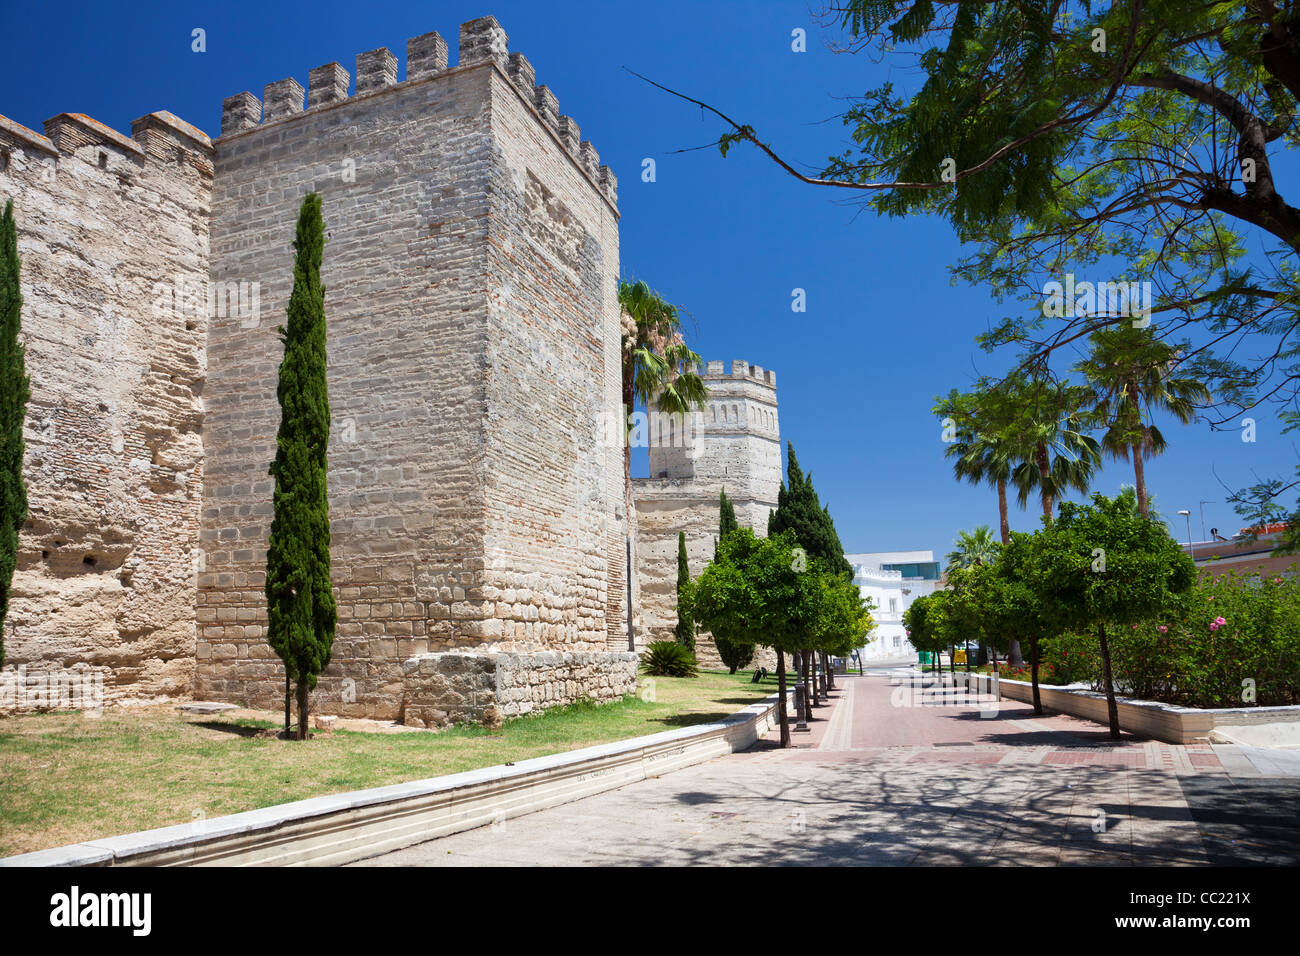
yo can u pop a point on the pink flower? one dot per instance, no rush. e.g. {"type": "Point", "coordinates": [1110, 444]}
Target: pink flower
{"type": "Point", "coordinates": [1135, 627]}
{"type": "Point", "coordinates": [1217, 623]}
{"type": "Point", "coordinates": [1163, 629]}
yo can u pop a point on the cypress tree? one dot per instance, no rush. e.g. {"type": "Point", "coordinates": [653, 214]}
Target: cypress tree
{"type": "Point", "coordinates": [14, 392]}
{"type": "Point", "coordinates": [735, 656]}
{"type": "Point", "coordinates": [798, 509]}
{"type": "Point", "coordinates": [727, 515]}
{"type": "Point", "coordinates": [300, 605]}
{"type": "Point", "coordinates": [685, 623]}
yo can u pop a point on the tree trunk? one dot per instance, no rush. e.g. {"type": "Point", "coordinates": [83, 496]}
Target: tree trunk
{"type": "Point", "coordinates": [1140, 476]}
{"type": "Point", "coordinates": [1045, 476]}
{"type": "Point", "coordinates": [782, 717]}
{"type": "Point", "coordinates": [810, 672]}
{"type": "Point", "coordinates": [288, 698]}
{"type": "Point", "coordinates": [952, 662]}
{"type": "Point", "coordinates": [1004, 522]}
{"type": "Point", "coordinates": [302, 710]}
{"type": "Point", "coordinates": [830, 673]}
{"type": "Point", "coordinates": [1015, 656]}
{"type": "Point", "coordinates": [1112, 710]}
{"type": "Point", "coordinates": [1033, 667]}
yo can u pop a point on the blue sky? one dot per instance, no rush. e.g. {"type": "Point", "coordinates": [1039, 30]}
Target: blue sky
{"type": "Point", "coordinates": [729, 239]}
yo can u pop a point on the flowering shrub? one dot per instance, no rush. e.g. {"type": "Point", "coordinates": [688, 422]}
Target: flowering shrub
{"type": "Point", "coordinates": [1229, 642]}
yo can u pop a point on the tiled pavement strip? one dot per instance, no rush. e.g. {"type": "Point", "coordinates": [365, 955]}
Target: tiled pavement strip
{"type": "Point", "coordinates": [898, 772]}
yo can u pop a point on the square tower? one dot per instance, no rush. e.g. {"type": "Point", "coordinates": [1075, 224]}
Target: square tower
{"type": "Point", "coordinates": [470, 274]}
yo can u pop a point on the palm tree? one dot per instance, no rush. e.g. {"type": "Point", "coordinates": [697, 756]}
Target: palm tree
{"type": "Point", "coordinates": [973, 548]}
{"type": "Point", "coordinates": [660, 371]}
{"type": "Point", "coordinates": [982, 454]}
{"type": "Point", "coordinates": [1130, 374]}
{"type": "Point", "coordinates": [1048, 438]}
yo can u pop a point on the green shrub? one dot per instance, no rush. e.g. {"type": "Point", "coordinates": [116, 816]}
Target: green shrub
{"type": "Point", "coordinates": [668, 659]}
{"type": "Point", "coordinates": [1232, 641]}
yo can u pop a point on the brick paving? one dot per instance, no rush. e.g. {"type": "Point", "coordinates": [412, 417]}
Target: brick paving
{"type": "Point", "coordinates": [883, 778]}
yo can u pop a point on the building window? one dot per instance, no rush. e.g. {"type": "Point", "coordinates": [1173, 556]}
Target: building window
{"type": "Point", "coordinates": [893, 605]}
{"type": "Point", "coordinates": [103, 160]}
{"type": "Point", "coordinates": [898, 641]}
{"type": "Point", "coordinates": [4, 160]}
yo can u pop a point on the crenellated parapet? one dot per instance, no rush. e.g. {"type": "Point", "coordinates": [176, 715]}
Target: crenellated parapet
{"type": "Point", "coordinates": [481, 42]}
{"type": "Point", "coordinates": [740, 370]}
{"type": "Point", "coordinates": [158, 138]}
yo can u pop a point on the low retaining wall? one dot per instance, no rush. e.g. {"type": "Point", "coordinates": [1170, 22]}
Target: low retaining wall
{"type": "Point", "coordinates": [1146, 718]}
{"type": "Point", "coordinates": [341, 828]}
{"type": "Point", "coordinates": [443, 689]}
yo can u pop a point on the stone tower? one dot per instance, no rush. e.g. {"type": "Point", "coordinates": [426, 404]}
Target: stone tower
{"type": "Point", "coordinates": [470, 276]}
{"type": "Point", "coordinates": [733, 443]}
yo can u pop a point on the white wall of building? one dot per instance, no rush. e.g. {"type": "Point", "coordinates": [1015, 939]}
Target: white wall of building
{"type": "Point", "coordinates": [891, 594]}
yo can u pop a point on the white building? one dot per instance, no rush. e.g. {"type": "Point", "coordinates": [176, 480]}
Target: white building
{"type": "Point", "coordinates": [892, 580]}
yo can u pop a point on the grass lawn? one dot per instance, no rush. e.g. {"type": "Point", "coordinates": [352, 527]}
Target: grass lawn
{"type": "Point", "coordinates": [65, 777]}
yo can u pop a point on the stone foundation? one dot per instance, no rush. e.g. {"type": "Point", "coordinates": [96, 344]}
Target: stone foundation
{"type": "Point", "coordinates": [439, 690]}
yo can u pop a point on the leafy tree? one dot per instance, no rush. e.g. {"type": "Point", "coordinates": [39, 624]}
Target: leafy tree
{"type": "Point", "coordinates": [1145, 139]}
{"type": "Point", "coordinates": [685, 625]}
{"type": "Point", "coordinates": [1009, 607]}
{"type": "Point", "coordinates": [1105, 564]}
{"type": "Point", "coordinates": [753, 589]}
{"type": "Point", "coordinates": [1130, 375]}
{"type": "Point", "coordinates": [14, 393]}
{"type": "Point", "coordinates": [300, 604]}
{"type": "Point", "coordinates": [973, 547]}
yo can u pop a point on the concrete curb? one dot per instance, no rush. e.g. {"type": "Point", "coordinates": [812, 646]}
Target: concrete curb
{"type": "Point", "coordinates": [342, 827]}
{"type": "Point", "coordinates": [1147, 718]}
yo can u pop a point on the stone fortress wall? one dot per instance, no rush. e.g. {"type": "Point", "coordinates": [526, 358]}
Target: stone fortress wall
{"type": "Point", "coordinates": [471, 272]}
{"type": "Point", "coordinates": [471, 290]}
{"type": "Point", "coordinates": [734, 443]}
{"type": "Point", "coordinates": [115, 331]}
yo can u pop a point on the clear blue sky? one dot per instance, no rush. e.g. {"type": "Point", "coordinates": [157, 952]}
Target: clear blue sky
{"type": "Point", "coordinates": [884, 331]}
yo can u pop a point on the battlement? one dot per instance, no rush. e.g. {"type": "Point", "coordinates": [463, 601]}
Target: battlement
{"type": "Point", "coordinates": [482, 41]}
{"type": "Point", "coordinates": [740, 370]}
{"type": "Point", "coordinates": [160, 137]}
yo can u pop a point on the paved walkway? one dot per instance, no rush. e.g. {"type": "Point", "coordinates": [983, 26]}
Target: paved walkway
{"type": "Point", "coordinates": [899, 772]}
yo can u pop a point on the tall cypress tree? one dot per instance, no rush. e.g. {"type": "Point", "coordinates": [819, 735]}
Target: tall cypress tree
{"type": "Point", "coordinates": [685, 623]}
{"type": "Point", "coordinates": [726, 515]}
{"type": "Point", "coordinates": [735, 656]}
{"type": "Point", "coordinates": [799, 510]}
{"type": "Point", "coordinates": [14, 392]}
{"type": "Point", "coordinates": [300, 605]}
